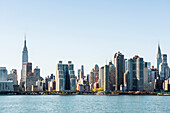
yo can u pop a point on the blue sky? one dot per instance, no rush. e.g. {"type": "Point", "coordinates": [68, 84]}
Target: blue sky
{"type": "Point", "coordinates": [86, 32]}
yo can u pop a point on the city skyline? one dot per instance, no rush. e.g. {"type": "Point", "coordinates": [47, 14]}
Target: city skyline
{"type": "Point", "coordinates": [133, 28]}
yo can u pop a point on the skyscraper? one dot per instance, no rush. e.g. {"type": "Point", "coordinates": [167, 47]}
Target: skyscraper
{"type": "Point", "coordinates": [37, 73]}
{"type": "Point", "coordinates": [164, 68]}
{"type": "Point", "coordinates": [158, 57]}
{"type": "Point", "coordinates": [65, 77]}
{"type": "Point", "coordinates": [119, 63]}
{"type": "Point", "coordinates": [24, 54]}
{"type": "Point", "coordinates": [134, 74]}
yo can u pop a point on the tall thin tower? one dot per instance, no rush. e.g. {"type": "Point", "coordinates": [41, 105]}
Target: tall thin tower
{"type": "Point", "coordinates": [158, 57]}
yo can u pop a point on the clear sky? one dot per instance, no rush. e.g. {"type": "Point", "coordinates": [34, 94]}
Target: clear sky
{"type": "Point", "coordinates": [87, 32]}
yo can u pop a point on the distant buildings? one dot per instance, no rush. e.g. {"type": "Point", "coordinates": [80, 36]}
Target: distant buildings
{"type": "Point", "coordinates": [124, 75]}
{"type": "Point", "coordinates": [65, 78]}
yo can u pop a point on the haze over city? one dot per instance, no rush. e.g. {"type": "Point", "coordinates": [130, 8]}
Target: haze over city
{"type": "Point", "coordinates": [86, 32]}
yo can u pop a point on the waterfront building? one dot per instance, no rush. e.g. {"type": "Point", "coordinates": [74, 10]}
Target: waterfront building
{"type": "Point", "coordinates": [40, 85]}
{"type": "Point", "coordinates": [120, 69]}
{"type": "Point", "coordinates": [158, 86]}
{"type": "Point", "coordinates": [65, 77]}
{"type": "Point", "coordinates": [4, 84]}
{"type": "Point", "coordinates": [13, 76]}
{"type": "Point", "coordinates": [158, 57]}
{"type": "Point", "coordinates": [166, 85]}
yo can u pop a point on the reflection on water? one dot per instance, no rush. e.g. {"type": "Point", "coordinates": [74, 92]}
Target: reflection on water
{"type": "Point", "coordinates": [88, 104]}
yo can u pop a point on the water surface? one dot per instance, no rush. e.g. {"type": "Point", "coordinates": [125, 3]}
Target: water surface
{"type": "Point", "coordinates": [84, 104]}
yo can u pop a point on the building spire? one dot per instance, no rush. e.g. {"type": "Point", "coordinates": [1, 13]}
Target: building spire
{"type": "Point", "coordinates": [25, 43]}
{"type": "Point", "coordinates": [158, 56]}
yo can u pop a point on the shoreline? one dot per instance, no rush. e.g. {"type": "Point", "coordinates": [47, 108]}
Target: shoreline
{"type": "Point", "coordinates": [87, 93]}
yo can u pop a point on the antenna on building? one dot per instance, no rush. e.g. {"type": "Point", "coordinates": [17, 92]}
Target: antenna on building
{"type": "Point", "coordinates": [25, 36]}
{"type": "Point", "coordinates": [106, 61]}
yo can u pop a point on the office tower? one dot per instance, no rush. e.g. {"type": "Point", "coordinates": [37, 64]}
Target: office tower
{"type": "Point", "coordinates": [81, 79]}
{"type": "Point", "coordinates": [65, 77]}
{"type": "Point", "coordinates": [96, 74]}
{"type": "Point", "coordinates": [13, 76]}
{"type": "Point", "coordinates": [112, 76]}
{"type": "Point", "coordinates": [79, 71]}
{"type": "Point", "coordinates": [158, 57]}
{"type": "Point", "coordinates": [106, 78]}
{"type": "Point", "coordinates": [126, 65]}
{"type": "Point", "coordinates": [27, 79]}
{"type": "Point", "coordinates": [4, 84]}
{"type": "Point", "coordinates": [82, 72]}
{"type": "Point", "coordinates": [120, 69]}
{"type": "Point", "coordinates": [139, 74]}
{"type": "Point", "coordinates": [147, 76]}
{"type": "Point", "coordinates": [134, 74]}
{"type": "Point", "coordinates": [87, 78]}
{"type": "Point", "coordinates": [109, 77]}
{"type": "Point", "coordinates": [164, 68]}
{"type": "Point", "coordinates": [92, 79]}
{"type": "Point", "coordinates": [37, 73]}
{"type": "Point", "coordinates": [101, 77]}
{"type": "Point", "coordinates": [158, 86]}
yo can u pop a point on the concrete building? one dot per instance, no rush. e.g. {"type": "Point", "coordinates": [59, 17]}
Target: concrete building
{"type": "Point", "coordinates": [65, 77]}
{"type": "Point", "coordinates": [119, 63]}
